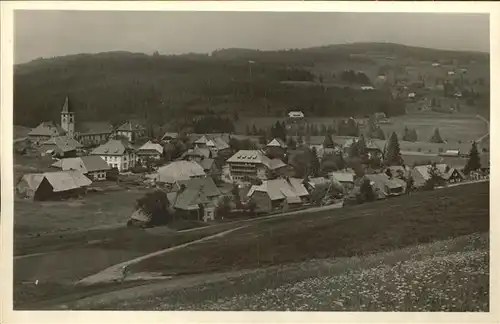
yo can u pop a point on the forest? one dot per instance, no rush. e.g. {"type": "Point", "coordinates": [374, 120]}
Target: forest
{"type": "Point", "coordinates": [159, 89]}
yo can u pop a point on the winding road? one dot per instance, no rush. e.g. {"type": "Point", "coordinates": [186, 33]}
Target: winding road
{"type": "Point", "coordinates": [488, 128]}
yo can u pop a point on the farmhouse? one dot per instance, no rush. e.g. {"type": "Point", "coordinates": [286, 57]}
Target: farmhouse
{"type": "Point", "coordinates": [345, 179]}
{"type": "Point", "coordinates": [45, 131]}
{"type": "Point", "coordinates": [384, 186]}
{"type": "Point", "coordinates": [210, 167]}
{"type": "Point", "coordinates": [280, 194]}
{"type": "Point", "coordinates": [276, 148]}
{"type": "Point", "coordinates": [61, 146]}
{"type": "Point", "coordinates": [217, 146]}
{"type": "Point", "coordinates": [421, 174]}
{"type": "Point", "coordinates": [195, 199]}
{"type": "Point", "coordinates": [52, 185]}
{"type": "Point", "coordinates": [130, 131]}
{"type": "Point", "coordinates": [118, 154]}
{"type": "Point", "coordinates": [178, 171]}
{"type": "Point", "coordinates": [196, 154]}
{"type": "Point", "coordinates": [149, 150]}
{"type": "Point", "coordinates": [201, 142]}
{"type": "Point", "coordinates": [253, 164]}
{"type": "Point", "coordinates": [94, 167]}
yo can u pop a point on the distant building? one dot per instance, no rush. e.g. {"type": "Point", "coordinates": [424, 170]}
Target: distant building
{"type": "Point", "coordinates": [61, 146]}
{"type": "Point", "coordinates": [366, 88]}
{"type": "Point", "coordinates": [178, 171]}
{"type": "Point", "coordinates": [168, 136]}
{"type": "Point", "coordinates": [279, 194]}
{"type": "Point", "coordinates": [436, 64]}
{"type": "Point", "coordinates": [68, 119]}
{"type": "Point", "coordinates": [130, 131]}
{"type": "Point", "coordinates": [52, 185]}
{"type": "Point", "coordinates": [451, 73]}
{"type": "Point", "coordinates": [195, 199]}
{"type": "Point", "coordinates": [246, 165]}
{"type": "Point", "coordinates": [197, 154]}
{"type": "Point", "coordinates": [421, 174]}
{"type": "Point", "coordinates": [94, 167]}
{"type": "Point", "coordinates": [276, 147]}
{"type": "Point", "coordinates": [210, 167]}
{"type": "Point", "coordinates": [118, 154]}
{"type": "Point", "coordinates": [296, 115]}
{"type": "Point", "coordinates": [217, 146]}
{"type": "Point", "coordinates": [45, 131]}
{"type": "Point", "coordinates": [149, 150]}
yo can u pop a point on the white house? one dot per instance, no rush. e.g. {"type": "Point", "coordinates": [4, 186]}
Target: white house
{"type": "Point", "coordinates": [296, 114]}
{"type": "Point", "coordinates": [117, 154]}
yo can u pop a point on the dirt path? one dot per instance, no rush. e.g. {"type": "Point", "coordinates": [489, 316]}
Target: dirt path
{"type": "Point", "coordinates": [118, 271]}
{"type": "Point", "coordinates": [487, 127]}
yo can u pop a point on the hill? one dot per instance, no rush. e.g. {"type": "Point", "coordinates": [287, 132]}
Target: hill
{"type": "Point", "coordinates": [120, 85]}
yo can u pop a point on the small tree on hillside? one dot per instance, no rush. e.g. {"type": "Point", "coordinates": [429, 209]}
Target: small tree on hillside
{"type": "Point", "coordinates": [155, 204]}
{"type": "Point", "coordinates": [474, 162]}
{"type": "Point", "coordinates": [367, 192]}
{"type": "Point", "coordinates": [393, 153]}
{"type": "Point", "coordinates": [236, 196]}
{"type": "Point", "coordinates": [435, 178]}
{"type": "Point", "coordinates": [379, 134]}
{"type": "Point", "coordinates": [436, 137]}
{"type": "Point", "coordinates": [372, 127]}
{"type": "Point", "coordinates": [314, 164]}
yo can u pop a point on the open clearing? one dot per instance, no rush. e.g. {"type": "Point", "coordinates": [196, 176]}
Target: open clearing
{"type": "Point", "coordinates": [452, 127]}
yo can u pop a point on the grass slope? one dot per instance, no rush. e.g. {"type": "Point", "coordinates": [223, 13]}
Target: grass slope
{"type": "Point", "coordinates": [359, 230]}
{"type": "Point", "coordinates": [450, 275]}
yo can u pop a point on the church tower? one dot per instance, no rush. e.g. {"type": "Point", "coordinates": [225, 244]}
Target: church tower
{"type": "Point", "coordinates": [68, 118]}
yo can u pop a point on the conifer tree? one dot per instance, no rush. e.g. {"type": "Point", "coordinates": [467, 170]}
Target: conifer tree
{"type": "Point", "coordinates": [436, 137]}
{"type": "Point", "coordinates": [393, 154]}
{"type": "Point", "coordinates": [474, 162]}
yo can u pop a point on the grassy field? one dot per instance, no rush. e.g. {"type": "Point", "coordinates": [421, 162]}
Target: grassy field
{"type": "Point", "coordinates": [96, 209]}
{"type": "Point", "coordinates": [358, 230]}
{"type": "Point", "coordinates": [453, 127]}
{"type": "Point", "coordinates": [449, 275]}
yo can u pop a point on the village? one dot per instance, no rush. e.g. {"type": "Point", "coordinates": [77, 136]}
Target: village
{"type": "Point", "coordinates": [221, 177]}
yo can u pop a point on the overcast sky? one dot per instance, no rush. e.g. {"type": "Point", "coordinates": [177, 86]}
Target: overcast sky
{"type": "Point", "coordinates": [54, 33]}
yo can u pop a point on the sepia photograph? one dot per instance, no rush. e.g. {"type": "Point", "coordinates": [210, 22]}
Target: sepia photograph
{"type": "Point", "coordinates": [250, 161]}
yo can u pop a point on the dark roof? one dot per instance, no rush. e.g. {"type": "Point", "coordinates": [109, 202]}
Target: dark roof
{"type": "Point", "coordinates": [130, 127]}
{"type": "Point", "coordinates": [207, 164]}
{"type": "Point", "coordinates": [112, 147]}
{"type": "Point", "coordinates": [207, 184]}
{"type": "Point", "coordinates": [64, 143]}
{"type": "Point", "coordinates": [196, 191]}
{"type": "Point", "coordinates": [47, 129]}
{"type": "Point", "coordinates": [96, 127]}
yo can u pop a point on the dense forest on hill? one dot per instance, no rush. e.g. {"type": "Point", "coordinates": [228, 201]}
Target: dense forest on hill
{"type": "Point", "coordinates": [119, 85]}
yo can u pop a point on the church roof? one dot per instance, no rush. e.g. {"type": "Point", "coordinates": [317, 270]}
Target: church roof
{"type": "Point", "coordinates": [67, 107]}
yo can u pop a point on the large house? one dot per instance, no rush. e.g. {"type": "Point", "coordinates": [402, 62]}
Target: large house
{"type": "Point", "coordinates": [131, 131]}
{"type": "Point", "coordinates": [195, 199]}
{"type": "Point", "coordinates": [296, 115]}
{"type": "Point", "coordinates": [178, 171]}
{"type": "Point", "coordinates": [420, 174]}
{"type": "Point", "coordinates": [45, 131]}
{"type": "Point", "coordinates": [276, 147]}
{"type": "Point", "coordinates": [117, 153]}
{"type": "Point", "coordinates": [278, 194]}
{"type": "Point", "coordinates": [94, 167]}
{"type": "Point", "coordinates": [52, 185]}
{"type": "Point", "coordinates": [196, 154]}
{"type": "Point", "coordinates": [247, 165]}
{"type": "Point", "coordinates": [217, 146]}
{"type": "Point", "coordinates": [61, 146]}
{"type": "Point", "coordinates": [149, 150]}
{"type": "Point", "coordinates": [385, 186]}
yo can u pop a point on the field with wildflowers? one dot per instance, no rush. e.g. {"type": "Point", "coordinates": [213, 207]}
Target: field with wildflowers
{"type": "Point", "coordinates": [449, 275]}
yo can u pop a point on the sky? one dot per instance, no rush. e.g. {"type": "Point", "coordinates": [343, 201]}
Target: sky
{"type": "Point", "coordinates": [56, 33]}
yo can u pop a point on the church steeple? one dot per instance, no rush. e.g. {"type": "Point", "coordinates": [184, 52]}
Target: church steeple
{"type": "Point", "coordinates": [67, 106]}
{"type": "Point", "coordinates": [68, 118]}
